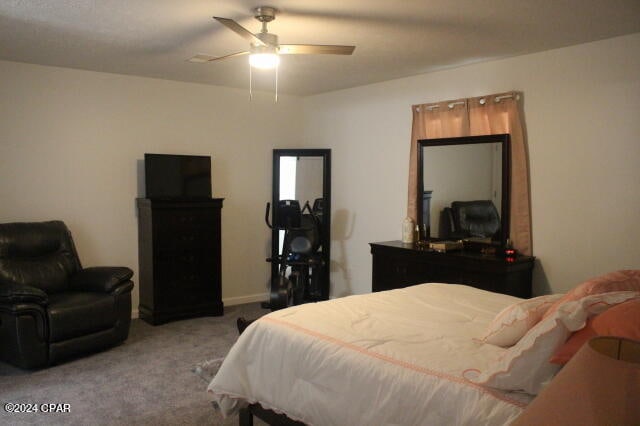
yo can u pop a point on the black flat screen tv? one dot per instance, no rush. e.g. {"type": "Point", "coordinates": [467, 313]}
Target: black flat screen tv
{"type": "Point", "coordinates": [169, 176]}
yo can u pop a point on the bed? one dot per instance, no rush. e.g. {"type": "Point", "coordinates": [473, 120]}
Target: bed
{"type": "Point", "coordinates": [393, 357]}
{"type": "Point", "coordinates": [411, 356]}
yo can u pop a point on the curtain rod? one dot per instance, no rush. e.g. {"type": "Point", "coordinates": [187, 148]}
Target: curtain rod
{"type": "Point", "coordinates": [499, 98]}
{"type": "Point", "coordinates": [482, 101]}
{"type": "Point", "coordinates": [450, 105]}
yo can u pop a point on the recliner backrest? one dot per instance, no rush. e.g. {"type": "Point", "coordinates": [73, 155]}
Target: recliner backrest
{"type": "Point", "coordinates": [38, 254]}
{"type": "Point", "coordinates": [476, 218]}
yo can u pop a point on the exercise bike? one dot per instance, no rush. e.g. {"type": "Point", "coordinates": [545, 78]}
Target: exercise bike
{"type": "Point", "coordinates": [300, 264]}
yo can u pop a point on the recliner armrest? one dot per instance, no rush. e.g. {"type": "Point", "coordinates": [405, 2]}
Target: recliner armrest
{"type": "Point", "coordinates": [102, 279]}
{"type": "Point", "coordinates": [125, 287]}
{"type": "Point", "coordinates": [12, 293]}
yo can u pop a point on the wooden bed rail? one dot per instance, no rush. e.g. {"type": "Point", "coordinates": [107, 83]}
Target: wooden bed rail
{"type": "Point", "coordinates": [268, 416]}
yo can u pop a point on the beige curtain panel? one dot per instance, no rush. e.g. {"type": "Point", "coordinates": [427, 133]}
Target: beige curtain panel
{"type": "Point", "coordinates": [484, 115]}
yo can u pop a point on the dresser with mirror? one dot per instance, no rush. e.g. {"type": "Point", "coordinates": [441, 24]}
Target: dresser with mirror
{"type": "Point", "coordinates": [463, 194]}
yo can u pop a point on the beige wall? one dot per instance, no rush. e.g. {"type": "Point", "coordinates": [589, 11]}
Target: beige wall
{"type": "Point", "coordinates": [72, 142]}
{"type": "Point", "coordinates": [582, 112]}
{"type": "Point", "coordinates": [71, 147]}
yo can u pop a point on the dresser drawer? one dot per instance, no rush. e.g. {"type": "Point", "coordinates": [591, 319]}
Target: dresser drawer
{"type": "Point", "coordinates": [184, 220]}
{"type": "Point", "coordinates": [395, 265]}
{"type": "Point", "coordinates": [183, 266]}
{"type": "Point", "coordinates": [185, 228]}
{"type": "Point", "coordinates": [204, 239]}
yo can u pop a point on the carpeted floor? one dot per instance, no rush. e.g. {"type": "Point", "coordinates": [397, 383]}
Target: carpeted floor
{"type": "Point", "coordinates": [148, 380]}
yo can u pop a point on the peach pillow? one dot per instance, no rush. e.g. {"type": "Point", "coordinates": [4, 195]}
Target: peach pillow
{"type": "Point", "coordinates": [515, 320]}
{"type": "Point", "coordinates": [625, 280]}
{"type": "Point", "coordinates": [622, 320]}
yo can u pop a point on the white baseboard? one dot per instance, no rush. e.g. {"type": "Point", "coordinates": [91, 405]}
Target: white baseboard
{"type": "Point", "coordinates": [240, 300]}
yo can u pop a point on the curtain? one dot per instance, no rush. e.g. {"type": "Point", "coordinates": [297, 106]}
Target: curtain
{"type": "Point", "coordinates": [437, 120]}
{"type": "Point", "coordinates": [484, 115]}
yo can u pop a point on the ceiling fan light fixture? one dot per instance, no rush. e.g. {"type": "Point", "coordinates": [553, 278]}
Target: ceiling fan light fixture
{"type": "Point", "coordinates": [264, 57]}
{"type": "Point", "coordinates": [265, 61]}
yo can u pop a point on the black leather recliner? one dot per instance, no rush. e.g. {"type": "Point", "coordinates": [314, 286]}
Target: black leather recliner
{"type": "Point", "coordinates": [50, 307]}
{"type": "Point", "coordinates": [465, 219]}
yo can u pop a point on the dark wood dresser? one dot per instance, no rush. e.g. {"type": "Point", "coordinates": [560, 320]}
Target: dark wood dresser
{"type": "Point", "coordinates": [397, 265]}
{"type": "Point", "coordinates": [179, 259]}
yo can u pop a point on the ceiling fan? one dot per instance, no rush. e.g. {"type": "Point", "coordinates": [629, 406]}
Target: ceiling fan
{"type": "Point", "coordinates": [264, 48]}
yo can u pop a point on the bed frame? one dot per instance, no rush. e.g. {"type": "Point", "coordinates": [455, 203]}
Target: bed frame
{"type": "Point", "coordinates": [268, 416]}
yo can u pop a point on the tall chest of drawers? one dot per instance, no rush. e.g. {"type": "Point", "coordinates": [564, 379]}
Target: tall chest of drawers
{"type": "Point", "coordinates": [179, 259]}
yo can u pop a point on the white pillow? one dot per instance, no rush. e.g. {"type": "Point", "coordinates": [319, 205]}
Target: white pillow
{"type": "Point", "coordinates": [515, 320]}
{"type": "Point", "coordinates": [525, 366]}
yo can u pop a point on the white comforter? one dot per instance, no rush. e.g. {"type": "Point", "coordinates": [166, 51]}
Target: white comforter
{"type": "Point", "coordinates": [388, 358]}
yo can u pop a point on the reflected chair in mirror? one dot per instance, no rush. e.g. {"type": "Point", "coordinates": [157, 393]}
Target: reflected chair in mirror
{"type": "Point", "coordinates": [51, 308]}
{"type": "Point", "coordinates": [470, 219]}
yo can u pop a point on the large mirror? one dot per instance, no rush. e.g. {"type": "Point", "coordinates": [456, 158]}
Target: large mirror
{"type": "Point", "coordinates": [304, 175]}
{"type": "Point", "coordinates": [463, 188]}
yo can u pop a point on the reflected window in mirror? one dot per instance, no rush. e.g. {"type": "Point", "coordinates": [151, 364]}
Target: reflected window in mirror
{"type": "Point", "coordinates": [463, 187]}
{"type": "Point", "coordinates": [287, 178]}
{"type": "Point", "coordinates": [287, 187]}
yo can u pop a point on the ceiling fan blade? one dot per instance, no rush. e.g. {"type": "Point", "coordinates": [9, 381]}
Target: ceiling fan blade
{"type": "Point", "coordinates": [315, 49]}
{"type": "Point", "coordinates": [240, 30]}
{"type": "Point", "coordinates": [201, 59]}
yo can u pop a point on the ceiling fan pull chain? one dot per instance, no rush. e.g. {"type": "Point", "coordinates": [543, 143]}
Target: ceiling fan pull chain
{"type": "Point", "coordinates": [277, 68]}
{"type": "Point", "coordinates": [250, 85]}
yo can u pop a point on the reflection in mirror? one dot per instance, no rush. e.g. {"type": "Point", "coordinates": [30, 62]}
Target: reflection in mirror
{"type": "Point", "coordinates": [300, 245]}
{"type": "Point", "coordinates": [301, 179]}
{"type": "Point", "coordinates": [288, 178]}
{"type": "Point", "coordinates": [463, 192]}
{"type": "Point", "coordinates": [461, 173]}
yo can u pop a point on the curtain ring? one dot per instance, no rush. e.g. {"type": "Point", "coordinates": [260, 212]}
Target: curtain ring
{"type": "Point", "coordinates": [482, 101]}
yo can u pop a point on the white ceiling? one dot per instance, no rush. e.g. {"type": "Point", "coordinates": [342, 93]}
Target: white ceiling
{"type": "Point", "coordinates": [394, 39]}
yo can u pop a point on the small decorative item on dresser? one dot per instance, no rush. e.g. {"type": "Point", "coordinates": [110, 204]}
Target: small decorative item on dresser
{"type": "Point", "coordinates": [509, 252]}
{"type": "Point", "coordinates": [445, 246]}
{"type": "Point", "coordinates": [425, 232]}
{"type": "Point", "coordinates": [407, 231]}
{"type": "Point", "coordinates": [423, 236]}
